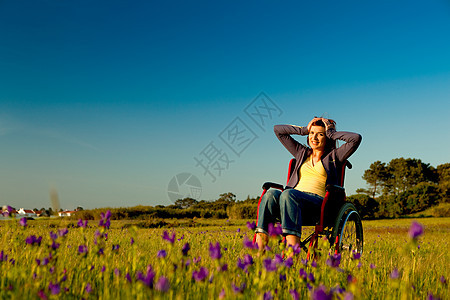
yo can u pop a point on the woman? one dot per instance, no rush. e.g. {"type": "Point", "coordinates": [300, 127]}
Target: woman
{"type": "Point", "coordinates": [316, 166]}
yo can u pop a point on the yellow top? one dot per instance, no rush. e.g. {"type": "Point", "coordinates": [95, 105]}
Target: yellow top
{"type": "Point", "coordinates": [312, 178]}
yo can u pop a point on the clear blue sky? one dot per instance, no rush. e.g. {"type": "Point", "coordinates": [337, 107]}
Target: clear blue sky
{"type": "Point", "coordinates": [107, 101]}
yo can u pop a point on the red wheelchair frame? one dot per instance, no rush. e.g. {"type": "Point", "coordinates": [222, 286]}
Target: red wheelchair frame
{"type": "Point", "coordinates": [334, 220]}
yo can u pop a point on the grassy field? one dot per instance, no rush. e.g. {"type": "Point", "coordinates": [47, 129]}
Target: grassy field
{"type": "Point", "coordinates": [51, 259]}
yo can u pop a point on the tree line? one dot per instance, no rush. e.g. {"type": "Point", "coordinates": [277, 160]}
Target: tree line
{"type": "Point", "coordinates": [401, 187]}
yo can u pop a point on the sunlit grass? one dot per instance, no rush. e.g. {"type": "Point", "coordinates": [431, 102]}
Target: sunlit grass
{"type": "Point", "coordinates": [127, 262]}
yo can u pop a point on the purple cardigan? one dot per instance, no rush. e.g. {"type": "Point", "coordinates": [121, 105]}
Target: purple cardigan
{"type": "Point", "coordinates": [332, 161]}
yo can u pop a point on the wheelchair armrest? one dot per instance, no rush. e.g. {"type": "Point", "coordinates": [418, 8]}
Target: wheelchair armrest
{"type": "Point", "coordinates": [334, 188]}
{"type": "Point", "coordinates": [268, 185]}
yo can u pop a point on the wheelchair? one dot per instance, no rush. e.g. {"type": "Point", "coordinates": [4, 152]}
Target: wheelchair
{"type": "Point", "coordinates": [339, 221]}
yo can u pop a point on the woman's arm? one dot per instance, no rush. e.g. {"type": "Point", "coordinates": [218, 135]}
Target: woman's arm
{"type": "Point", "coordinates": [352, 140]}
{"type": "Point", "coordinates": [284, 132]}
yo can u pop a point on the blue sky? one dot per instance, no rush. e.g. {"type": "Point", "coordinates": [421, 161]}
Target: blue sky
{"type": "Point", "coordinates": [107, 101]}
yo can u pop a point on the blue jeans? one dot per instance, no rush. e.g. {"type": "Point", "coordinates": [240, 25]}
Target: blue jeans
{"type": "Point", "coordinates": [292, 208]}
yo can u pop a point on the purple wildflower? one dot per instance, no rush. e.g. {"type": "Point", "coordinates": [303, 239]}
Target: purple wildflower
{"type": "Point", "coordinates": [278, 259]}
{"type": "Point", "coordinates": [275, 230]}
{"type": "Point", "coordinates": [146, 279]}
{"type": "Point", "coordinates": [62, 232]}
{"type": "Point", "coordinates": [302, 274]}
{"type": "Point", "coordinates": [185, 249]}
{"type": "Point", "coordinates": [32, 239]}
{"type": "Point", "coordinates": [105, 220]}
{"type": "Point", "coordinates": [54, 288]}
{"type": "Point", "coordinates": [289, 262]}
{"type": "Point", "coordinates": [296, 248]}
{"type": "Point", "coordinates": [115, 247]}
{"type": "Point", "coordinates": [55, 245]}
{"type": "Point", "coordinates": [356, 255]}
{"type": "Point", "coordinates": [131, 241]}
{"type": "Point", "coordinates": [23, 222]}
{"type": "Point", "coordinates": [348, 296]}
{"type": "Point", "coordinates": [223, 268]}
{"type": "Point", "coordinates": [116, 272]}
{"type": "Point", "coordinates": [270, 265]}
{"type": "Point", "coordinates": [82, 223]}
{"type": "Point", "coordinates": [395, 274]}
{"type": "Point", "coordinates": [372, 266]}
{"type": "Point", "coordinates": [88, 288]}
{"type": "Point", "coordinates": [430, 296]}
{"type": "Point", "coordinates": [415, 230]}
{"type": "Point", "coordinates": [169, 238]}
{"type": "Point", "coordinates": [197, 260]}
{"type": "Point", "coordinates": [251, 226]}
{"type": "Point", "coordinates": [248, 259]}
{"type": "Point", "coordinates": [294, 294]}
{"type": "Point", "coordinates": [245, 263]}
{"type": "Point", "coordinates": [222, 294]}
{"type": "Point", "coordinates": [128, 277]}
{"type": "Point", "coordinates": [311, 277]}
{"type": "Point", "coordinates": [249, 244]}
{"type": "Point", "coordinates": [82, 249]}
{"type": "Point", "coordinates": [320, 293]}
{"type": "Point", "coordinates": [443, 280]}
{"type": "Point", "coordinates": [163, 284]}
{"type": "Point", "coordinates": [238, 289]}
{"type": "Point", "coordinates": [200, 275]}
{"type": "Point", "coordinates": [214, 251]}
{"type": "Point", "coordinates": [162, 253]}
{"type": "Point", "coordinates": [336, 290]}
{"type": "Point", "coordinates": [268, 296]}
{"type": "Point", "coordinates": [334, 260]}
{"type": "Point", "coordinates": [314, 264]}
{"type": "Point", "coordinates": [282, 277]}
{"type": "Point", "coordinates": [242, 265]}
{"type": "Point", "coordinates": [103, 269]}
{"type": "Point", "coordinates": [53, 235]}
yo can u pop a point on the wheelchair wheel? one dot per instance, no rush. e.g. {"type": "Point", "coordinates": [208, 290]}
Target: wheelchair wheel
{"type": "Point", "coordinates": [348, 228]}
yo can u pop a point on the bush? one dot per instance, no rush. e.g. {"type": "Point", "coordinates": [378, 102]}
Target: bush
{"type": "Point", "coordinates": [442, 210]}
{"type": "Point", "coordinates": [366, 206]}
{"type": "Point", "coordinates": [242, 211]}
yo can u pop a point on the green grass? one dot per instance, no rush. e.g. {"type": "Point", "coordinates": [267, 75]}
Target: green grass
{"type": "Point", "coordinates": [387, 247]}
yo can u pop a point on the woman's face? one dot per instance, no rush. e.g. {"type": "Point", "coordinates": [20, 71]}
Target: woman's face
{"type": "Point", "coordinates": [317, 138]}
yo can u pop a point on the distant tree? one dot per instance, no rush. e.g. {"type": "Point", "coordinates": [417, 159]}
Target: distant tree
{"type": "Point", "coordinates": [376, 177]}
{"type": "Point", "coordinates": [420, 197]}
{"type": "Point", "coordinates": [185, 203]}
{"type": "Point", "coordinates": [406, 173]}
{"type": "Point", "coordinates": [443, 173]}
{"type": "Point", "coordinates": [79, 208]}
{"type": "Point", "coordinates": [227, 197]}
